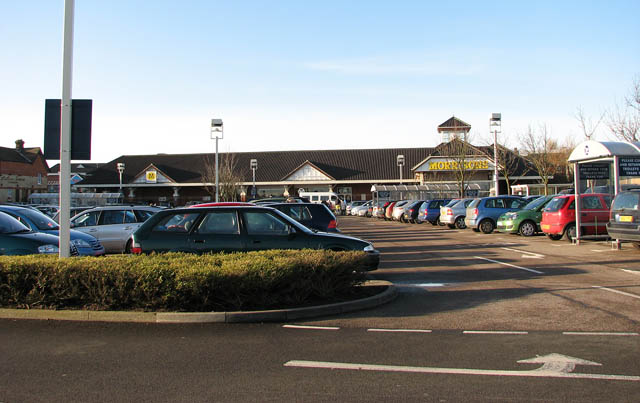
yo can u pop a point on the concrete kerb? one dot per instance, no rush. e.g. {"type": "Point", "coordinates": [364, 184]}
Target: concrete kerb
{"type": "Point", "coordinates": [276, 315]}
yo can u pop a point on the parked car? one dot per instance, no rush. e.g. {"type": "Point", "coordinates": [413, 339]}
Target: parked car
{"type": "Point", "coordinates": [389, 211]}
{"type": "Point", "coordinates": [37, 221]}
{"type": "Point", "coordinates": [411, 211]}
{"type": "Point", "coordinates": [16, 239]}
{"type": "Point", "coordinates": [72, 212]}
{"type": "Point", "coordinates": [453, 213]}
{"type": "Point", "coordinates": [398, 209]}
{"type": "Point", "coordinates": [311, 215]}
{"type": "Point", "coordinates": [559, 217]}
{"type": "Point", "coordinates": [354, 203]}
{"type": "Point", "coordinates": [382, 208]}
{"type": "Point", "coordinates": [482, 214]}
{"type": "Point", "coordinates": [624, 219]}
{"type": "Point", "coordinates": [525, 222]}
{"type": "Point", "coordinates": [50, 210]}
{"type": "Point", "coordinates": [113, 225]}
{"type": "Point", "coordinates": [430, 211]}
{"type": "Point", "coordinates": [362, 209]}
{"type": "Point", "coordinates": [233, 229]}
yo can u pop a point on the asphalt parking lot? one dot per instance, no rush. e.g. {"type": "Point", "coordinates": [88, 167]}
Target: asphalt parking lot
{"type": "Point", "coordinates": [460, 279]}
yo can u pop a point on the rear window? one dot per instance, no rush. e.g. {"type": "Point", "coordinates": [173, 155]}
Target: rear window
{"type": "Point", "coordinates": [474, 203]}
{"type": "Point", "coordinates": [453, 203]}
{"type": "Point", "coordinates": [626, 200]}
{"type": "Point", "coordinates": [556, 204]}
{"type": "Point", "coordinates": [535, 203]}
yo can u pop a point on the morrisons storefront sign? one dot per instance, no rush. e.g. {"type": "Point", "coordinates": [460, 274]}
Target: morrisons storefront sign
{"type": "Point", "coordinates": [448, 165]}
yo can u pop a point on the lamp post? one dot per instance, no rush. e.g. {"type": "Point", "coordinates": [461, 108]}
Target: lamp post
{"type": "Point", "coordinates": [495, 124]}
{"type": "Point", "coordinates": [120, 166]}
{"type": "Point", "coordinates": [400, 163]}
{"type": "Point", "coordinates": [217, 132]}
{"type": "Point", "coordinates": [254, 165]}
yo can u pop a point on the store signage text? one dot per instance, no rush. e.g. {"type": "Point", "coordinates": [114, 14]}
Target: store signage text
{"type": "Point", "coordinates": [629, 166]}
{"type": "Point", "coordinates": [454, 165]}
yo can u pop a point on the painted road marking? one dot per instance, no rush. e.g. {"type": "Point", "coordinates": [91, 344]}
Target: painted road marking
{"type": "Point", "coordinates": [600, 334]}
{"type": "Point", "coordinates": [553, 366]}
{"type": "Point", "coordinates": [631, 271]}
{"type": "Point", "coordinates": [529, 255]}
{"type": "Point", "coordinates": [492, 332]}
{"type": "Point", "coordinates": [401, 330]}
{"type": "Point", "coordinates": [509, 264]}
{"type": "Point", "coordinates": [311, 327]}
{"type": "Point", "coordinates": [617, 292]}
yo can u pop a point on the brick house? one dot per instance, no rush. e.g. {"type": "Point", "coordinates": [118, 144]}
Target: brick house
{"type": "Point", "coordinates": [22, 171]}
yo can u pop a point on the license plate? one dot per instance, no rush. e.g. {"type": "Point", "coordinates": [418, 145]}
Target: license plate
{"type": "Point", "coordinates": [545, 226]}
{"type": "Point", "coordinates": [625, 218]}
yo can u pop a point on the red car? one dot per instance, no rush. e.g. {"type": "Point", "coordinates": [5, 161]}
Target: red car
{"type": "Point", "coordinates": [559, 217]}
{"type": "Point", "coordinates": [220, 204]}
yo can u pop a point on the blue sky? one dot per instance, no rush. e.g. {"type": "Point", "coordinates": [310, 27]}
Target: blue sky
{"type": "Point", "coordinates": [297, 75]}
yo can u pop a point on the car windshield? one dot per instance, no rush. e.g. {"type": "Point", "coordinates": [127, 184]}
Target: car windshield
{"type": "Point", "coordinates": [556, 204]}
{"type": "Point", "coordinates": [9, 225]}
{"type": "Point", "coordinates": [42, 221]}
{"type": "Point", "coordinates": [626, 200]}
{"type": "Point", "coordinates": [535, 203]}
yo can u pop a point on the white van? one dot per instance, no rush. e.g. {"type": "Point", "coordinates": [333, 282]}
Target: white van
{"type": "Point", "coordinates": [319, 197]}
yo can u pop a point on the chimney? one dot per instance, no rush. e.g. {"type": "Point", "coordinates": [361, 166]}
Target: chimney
{"type": "Point", "coordinates": [20, 145]}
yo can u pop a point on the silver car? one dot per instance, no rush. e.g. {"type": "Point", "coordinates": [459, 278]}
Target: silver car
{"type": "Point", "coordinates": [454, 212]}
{"type": "Point", "coordinates": [113, 225]}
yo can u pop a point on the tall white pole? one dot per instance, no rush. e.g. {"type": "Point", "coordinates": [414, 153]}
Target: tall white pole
{"type": "Point", "coordinates": [495, 161]}
{"type": "Point", "coordinates": [65, 131]}
{"type": "Point", "coordinates": [217, 182]}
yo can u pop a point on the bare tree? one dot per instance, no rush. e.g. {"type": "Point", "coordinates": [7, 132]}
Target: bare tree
{"type": "Point", "coordinates": [510, 163]}
{"type": "Point", "coordinates": [587, 125]}
{"type": "Point", "coordinates": [542, 152]}
{"type": "Point", "coordinates": [464, 162]}
{"type": "Point", "coordinates": [624, 121]}
{"type": "Point", "coordinates": [229, 179]}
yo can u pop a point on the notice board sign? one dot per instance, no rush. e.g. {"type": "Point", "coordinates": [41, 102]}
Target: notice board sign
{"type": "Point", "coordinates": [594, 171]}
{"type": "Point", "coordinates": [629, 166]}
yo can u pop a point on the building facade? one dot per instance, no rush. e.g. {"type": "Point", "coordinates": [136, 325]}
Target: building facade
{"type": "Point", "coordinates": [23, 171]}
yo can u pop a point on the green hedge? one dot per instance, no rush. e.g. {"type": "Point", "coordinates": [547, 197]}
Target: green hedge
{"type": "Point", "coordinates": [180, 282]}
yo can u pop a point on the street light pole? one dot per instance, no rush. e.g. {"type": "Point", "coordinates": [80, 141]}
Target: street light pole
{"type": "Point", "coordinates": [217, 132]}
{"type": "Point", "coordinates": [254, 165]}
{"type": "Point", "coordinates": [400, 163]}
{"type": "Point", "coordinates": [120, 167]}
{"type": "Point", "coordinates": [495, 123]}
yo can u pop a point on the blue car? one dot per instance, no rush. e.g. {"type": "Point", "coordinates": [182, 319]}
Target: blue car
{"type": "Point", "coordinates": [482, 214]}
{"type": "Point", "coordinates": [430, 211]}
{"type": "Point", "coordinates": [37, 221]}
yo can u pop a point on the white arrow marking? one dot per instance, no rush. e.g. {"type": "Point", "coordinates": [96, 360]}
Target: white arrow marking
{"type": "Point", "coordinates": [553, 366]}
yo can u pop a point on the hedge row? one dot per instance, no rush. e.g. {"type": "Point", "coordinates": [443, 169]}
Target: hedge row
{"type": "Point", "coordinates": [180, 282]}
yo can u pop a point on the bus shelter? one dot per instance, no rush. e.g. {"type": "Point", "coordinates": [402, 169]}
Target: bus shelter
{"type": "Point", "coordinates": [598, 167]}
{"type": "Point", "coordinates": [424, 192]}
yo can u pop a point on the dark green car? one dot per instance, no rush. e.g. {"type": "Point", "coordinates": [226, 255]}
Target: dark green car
{"type": "Point", "coordinates": [525, 222]}
{"type": "Point", "coordinates": [237, 229]}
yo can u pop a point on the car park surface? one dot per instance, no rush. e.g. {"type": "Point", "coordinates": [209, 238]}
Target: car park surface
{"type": "Point", "coordinates": [482, 214]}
{"type": "Point", "coordinates": [526, 221]}
{"type": "Point", "coordinates": [37, 221]}
{"type": "Point", "coordinates": [234, 229]}
{"type": "Point", "coordinates": [559, 216]}
{"type": "Point", "coordinates": [624, 221]}
{"type": "Point", "coordinates": [113, 225]}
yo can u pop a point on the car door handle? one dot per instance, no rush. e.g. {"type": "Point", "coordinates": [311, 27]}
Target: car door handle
{"type": "Point", "coordinates": [583, 214]}
{"type": "Point", "coordinates": [198, 241]}
{"type": "Point", "coordinates": [256, 241]}
{"type": "Point", "coordinates": [127, 228]}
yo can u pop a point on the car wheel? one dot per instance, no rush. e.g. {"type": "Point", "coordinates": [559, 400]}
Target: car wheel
{"type": "Point", "coordinates": [451, 226]}
{"type": "Point", "coordinates": [127, 248]}
{"type": "Point", "coordinates": [570, 232]}
{"type": "Point", "coordinates": [486, 226]}
{"type": "Point", "coordinates": [527, 228]}
{"type": "Point", "coordinates": [475, 229]}
{"type": "Point", "coordinates": [434, 223]}
{"type": "Point", "coordinates": [460, 223]}
{"type": "Point", "coordinates": [440, 223]}
{"type": "Point", "coordinates": [418, 222]}
{"type": "Point", "coordinates": [554, 237]}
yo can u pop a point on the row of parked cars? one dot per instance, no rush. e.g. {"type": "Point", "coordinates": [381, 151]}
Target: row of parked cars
{"type": "Point", "coordinates": [554, 215]}
{"type": "Point", "coordinates": [211, 227]}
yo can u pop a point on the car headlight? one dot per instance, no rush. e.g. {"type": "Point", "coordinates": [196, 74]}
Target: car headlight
{"type": "Point", "coordinates": [48, 249]}
{"type": "Point", "coordinates": [80, 243]}
{"type": "Point", "coordinates": [369, 248]}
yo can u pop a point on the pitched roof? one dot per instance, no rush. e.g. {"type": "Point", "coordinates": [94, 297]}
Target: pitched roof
{"type": "Point", "coordinates": [454, 123]}
{"type": "Point", "coordinates": [273, 166]}
{"type": "Point", "coordinates": [26, 156]}
{"type": "Point", "coordinates": [79, 168]}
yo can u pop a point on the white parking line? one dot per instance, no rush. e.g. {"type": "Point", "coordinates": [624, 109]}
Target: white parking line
{"type": "Point", "coordinates": [537, 255]}
{"type": "Point", "coordinates": [631, 271]}
{"type": "Point", "coordinates": [492, 332]}
{"type": "Point", "coordinates": [617, 292]}
{"type": "Point", "coordinates": [509, 264]}
{"type": "Point", "coordinates": [311, 327]}
{"type": "Point", "coordinates": [401, 330]}
{"type": "Point", "coordinates": [600, 334]}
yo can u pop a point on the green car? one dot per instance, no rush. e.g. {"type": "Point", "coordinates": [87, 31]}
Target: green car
{"type": "Point", "coordinates": [525, 222]}
{"type": "Point", "coordinates": [237, 229]}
